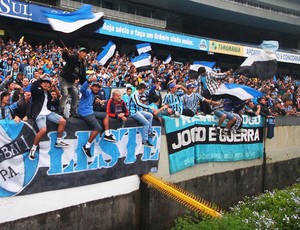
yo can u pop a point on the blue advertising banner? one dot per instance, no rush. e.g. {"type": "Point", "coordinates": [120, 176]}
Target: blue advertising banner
{"type": "Point", "coordinates": [58, 168]}
{"type": "Point", "coordinates": [194, 140]}
{"type": "Point", "coordinates": [124, 30]}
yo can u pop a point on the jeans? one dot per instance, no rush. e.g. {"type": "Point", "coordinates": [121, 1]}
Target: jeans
{"type": "Point", "coordinates": [100, 115]}
{"type": "Point", "coordinates": [92, 122]}
{"type": "Point", "coordinates": [41, 119]}
{"type": "Point", "coordinates": [144, 118]}
{"type": "Point", "coordinates": [67, 88]}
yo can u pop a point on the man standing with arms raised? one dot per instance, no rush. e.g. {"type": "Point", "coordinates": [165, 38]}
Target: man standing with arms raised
{"type": "Point", "coordinates": [73, 70]}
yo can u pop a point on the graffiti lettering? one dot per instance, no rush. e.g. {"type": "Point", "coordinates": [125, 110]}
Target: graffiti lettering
{"type": "Point", "coordinates": [8, 173]}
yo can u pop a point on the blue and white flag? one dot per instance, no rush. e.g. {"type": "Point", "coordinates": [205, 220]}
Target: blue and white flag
{"type": "Point", "coordinates": [262, 65]}
{"type": "Point", "coordinates": [242, 92]}
{"type": "Point", "coordinates": [141, 62]}
{"type": "Point", "coordinates": [143, 48]}
{"type": "Point", "coordinates": [207, 64]}
{"type": "Point", "coordinates": [107, 52]}
{"type": "Point", "coordinates": [193, 73]}
{"type": "Point", "coordinates": [70, 22]}
{"type": "Point", "coordinates": [168, 59]}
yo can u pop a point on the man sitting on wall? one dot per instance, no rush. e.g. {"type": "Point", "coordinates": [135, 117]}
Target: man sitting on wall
{"type": "Point", "coordinates": [116, 108]}
{"type": "Point", "coordinates": [85, 110]}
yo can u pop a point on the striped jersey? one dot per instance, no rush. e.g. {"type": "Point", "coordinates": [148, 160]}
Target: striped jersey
{"type": "Point", "coordinates": [192, 101]}
{"type": "Point", "coordinates": [174, 101]}
{"type": "Point", "coordinates": [135, 104]}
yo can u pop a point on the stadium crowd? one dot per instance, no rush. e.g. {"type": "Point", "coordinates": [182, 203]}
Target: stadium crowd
{"type": "Point", "coordinates": [68, 74]}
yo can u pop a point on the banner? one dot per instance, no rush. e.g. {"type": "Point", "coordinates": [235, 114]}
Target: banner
{"type": "Point", "coordinates": [194, 140]}
{"type": "Point", "coordinates": [226, 48]}
{"type": "Point", "coordinates": [58, 168]}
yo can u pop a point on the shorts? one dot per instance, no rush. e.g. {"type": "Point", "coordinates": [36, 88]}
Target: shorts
{"type": "Point", "coordinates": [92, 122]}
{"type": "Point", "coordinates": [41, 119]}
{"type": "Point", "coordinates": [219, 114]}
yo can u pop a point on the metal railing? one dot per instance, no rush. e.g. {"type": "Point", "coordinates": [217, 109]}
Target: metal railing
{"type": "Point", "coordinates": [260, 7]}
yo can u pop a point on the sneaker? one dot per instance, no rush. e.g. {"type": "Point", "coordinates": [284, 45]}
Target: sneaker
{"type": "Point", "coordinates": [147, 143]}
{"type": "Point", "coordinates": [233, 131]}
{"type": "Point", "coordinates": [175, 114]}
{"type": "Point", "coordinates": [109, 138]}
{"type": "Point", "coordinates": [32, 154]}
{"type": "Point", "coordinates": [61, 144]}
{"type": "Point", "coordinates": [151, 135]}
{"type": "Point", "coordinates": [218, 130]}
{"type": "Point", "coordinates": [225, 131]}
{"type": "Point", "coordinates": [241, 131]}
{"type": "Point", "coordinates": [75, 115]}
{"type": "Point", "coordinates": [86, 151]}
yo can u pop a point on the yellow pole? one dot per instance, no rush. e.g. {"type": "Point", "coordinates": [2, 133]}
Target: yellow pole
{"type": "Point", "coordinates": [189, 200]}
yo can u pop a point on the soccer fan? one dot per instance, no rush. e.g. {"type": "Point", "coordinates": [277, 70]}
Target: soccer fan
{"type": "Point", "coordinates": [116, 108]}
{"type": "Point", "coordinates": [143, 117]}
{"type": "Point", "coordinates": [40, 111]}
{"type": "Point", "coordinates": [85, 110]}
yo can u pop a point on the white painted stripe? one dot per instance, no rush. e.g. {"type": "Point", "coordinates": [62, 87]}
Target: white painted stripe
{"type": "Point", "coordinates": [13, 208]}
{"type": "Point", "coordinates": [69, 27]}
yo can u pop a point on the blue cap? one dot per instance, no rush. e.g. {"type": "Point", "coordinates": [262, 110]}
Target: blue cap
{"type": "Point", "coordinates": [190, 85]}
{"type": "Point", "coordinates": [172, 85]}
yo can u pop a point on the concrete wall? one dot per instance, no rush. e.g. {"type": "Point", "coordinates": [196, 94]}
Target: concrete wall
{"type": "Point", "coordinates": [221, 183]}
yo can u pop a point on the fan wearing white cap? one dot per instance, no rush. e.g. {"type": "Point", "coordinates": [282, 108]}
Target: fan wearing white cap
{"type": "Point", "coordinates": [40, 111]}
{"type": "Point", "coordinates": [173, 100]}
{"type": "Point", "coordinates": [191, 101]}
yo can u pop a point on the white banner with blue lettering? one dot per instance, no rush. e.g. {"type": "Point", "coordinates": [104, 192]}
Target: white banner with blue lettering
{"type": "Point", "coordinates": [194, 140]}
{"type": "Point", "coordinates": [58, 168]}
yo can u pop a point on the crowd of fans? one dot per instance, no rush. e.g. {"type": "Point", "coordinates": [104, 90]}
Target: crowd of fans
{"type": "Point", "coordinates": [21, 64]}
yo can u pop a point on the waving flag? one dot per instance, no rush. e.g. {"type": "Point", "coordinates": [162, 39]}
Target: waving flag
{"type": "Point", "coordinates": [262, 65]}
{"type": "Point", "coordinates": [241, 92]}
{"type": "Point", "coordinates": [168, 59]}
{"type": "Point", "coordinates": [143, 48]}
{"type": "Point", "coordinates": [107, 52]}
{"type": "Point", "coordinates": [193, 73]}
{"type": "Point", "coordinates": [141, 62]}
{"type": "Point", "coordinates": [81, 21]}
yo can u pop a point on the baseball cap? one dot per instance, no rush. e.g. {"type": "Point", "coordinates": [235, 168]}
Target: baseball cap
{"type": "Point", "coordinates": [143, 99]}
{"type": "Point", "coordinates": [46, 79]}
{"type": "Point", "coordinates": [96, 83]}
{"type": "Point", "coordinates": [172, 85]}
{"type": "Point", "coordinates": [83, 49]}
{"type": "Point", "coordinates": [190, 85]}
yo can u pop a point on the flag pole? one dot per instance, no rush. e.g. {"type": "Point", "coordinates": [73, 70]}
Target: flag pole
{"type": "Point", "coordinates": [62, 42]}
